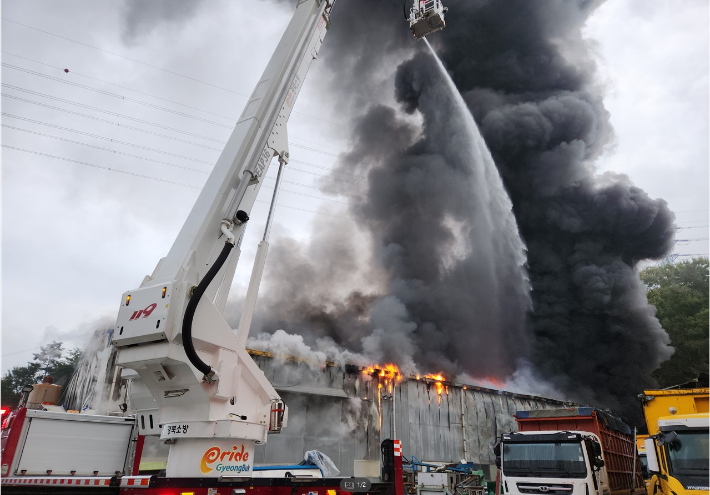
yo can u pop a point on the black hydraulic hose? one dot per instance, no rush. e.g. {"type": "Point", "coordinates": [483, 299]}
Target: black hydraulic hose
{"type": "Point", "coordinates": [404, 10]}
{"type": "Point", "coordinates": [192, 306]}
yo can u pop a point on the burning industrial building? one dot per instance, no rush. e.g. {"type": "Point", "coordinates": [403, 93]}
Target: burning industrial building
{"type": "Point", "coordinates": [347, 411]}
{"type": "Point", "coordinates": [453, 281]}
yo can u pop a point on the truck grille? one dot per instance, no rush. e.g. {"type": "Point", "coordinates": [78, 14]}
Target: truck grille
{"type": "Point", "coordinates": [546, 488]}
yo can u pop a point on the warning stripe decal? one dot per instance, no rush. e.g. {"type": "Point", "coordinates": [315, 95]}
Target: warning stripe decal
{"type": "Point", "coordinates": [135, 481]}
{"type": "Point", "coordinates": [55, 480]}
{"type": "Point", "coordinates": [397, 448]}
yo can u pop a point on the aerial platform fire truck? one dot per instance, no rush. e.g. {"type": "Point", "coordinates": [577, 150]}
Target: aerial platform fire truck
{"type": "Point", "coordinates": [196, 386]}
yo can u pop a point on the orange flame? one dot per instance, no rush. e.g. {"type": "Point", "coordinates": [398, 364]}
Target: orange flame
{"type": "Point", "coordinates": [440, 387]}
{"type": "Point", "coordinates": [492, 382]}
{"type": "Point", "coordinates": [387, 371]}
{"type": "Point", "coordinates": [387, 376]}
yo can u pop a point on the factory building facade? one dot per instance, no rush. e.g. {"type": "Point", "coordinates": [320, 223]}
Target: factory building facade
{"type": "Point", "coordinates": [346, 412]}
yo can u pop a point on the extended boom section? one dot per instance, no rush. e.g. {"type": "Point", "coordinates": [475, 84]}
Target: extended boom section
{"type": "Point", "coordinates": [210, 395]}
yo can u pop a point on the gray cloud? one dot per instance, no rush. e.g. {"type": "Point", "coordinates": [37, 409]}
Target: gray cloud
{"type": "Point", "coordinates": [142, 18]}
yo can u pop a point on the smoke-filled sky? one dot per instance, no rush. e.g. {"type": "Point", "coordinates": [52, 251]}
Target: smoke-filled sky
{"type": "Point", "coordinates": [561, 91]}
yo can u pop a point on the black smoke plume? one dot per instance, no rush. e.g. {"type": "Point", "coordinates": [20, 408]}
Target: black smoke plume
{"type": "Point", "coordinates": [529, 81]}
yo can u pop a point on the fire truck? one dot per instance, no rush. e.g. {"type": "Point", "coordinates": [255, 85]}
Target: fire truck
{"type": "Point", "coordinates": [195, 386]}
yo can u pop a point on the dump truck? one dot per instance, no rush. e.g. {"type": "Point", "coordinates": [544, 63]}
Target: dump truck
{"type": "Point", "coordinates": [678, 442]}
{"type": "Point", "coordinates": [575, 451]}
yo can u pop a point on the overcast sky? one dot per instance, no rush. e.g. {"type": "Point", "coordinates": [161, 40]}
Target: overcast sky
{"type": "Point", "coordinates": [76, 235]}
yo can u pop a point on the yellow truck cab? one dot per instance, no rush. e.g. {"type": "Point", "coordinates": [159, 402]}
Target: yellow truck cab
{"type": "Point", "coordinates": [678, 443]}
{"type": "Point", "coordinates": [641, 452]}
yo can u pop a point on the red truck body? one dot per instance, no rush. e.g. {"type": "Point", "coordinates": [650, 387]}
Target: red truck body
{"type": "Point", "coordinates": [617, 440]}
{"type": "Point", "coordinates": [15, 480]}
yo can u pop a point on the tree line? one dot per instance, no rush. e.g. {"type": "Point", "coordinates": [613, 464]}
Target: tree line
{"type": "Point", "coordinates": [679, 291]}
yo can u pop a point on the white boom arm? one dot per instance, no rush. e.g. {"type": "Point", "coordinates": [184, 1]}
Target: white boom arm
{"type": "Point", "coordinates": [171, 330]}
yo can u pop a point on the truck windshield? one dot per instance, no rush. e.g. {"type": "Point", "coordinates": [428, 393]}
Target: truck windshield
{"type": "Point", "coordinates": [688, 456]}
{"type": "Point", "coordinates": [549, 460]}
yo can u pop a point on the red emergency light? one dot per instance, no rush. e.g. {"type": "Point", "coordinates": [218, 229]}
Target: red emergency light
{"type": "Point", "coordinates": [5, 415]}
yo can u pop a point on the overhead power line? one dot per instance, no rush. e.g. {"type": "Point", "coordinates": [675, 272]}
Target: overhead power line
{"type": "Point", "coordinates": [313, 149]}
{"type": "Point", "coordinates": [107, 139]}
{"type": "Point", "coordinates": [142, 176]}
{"type": "Point", "coordinates": [690, 222]}
{"type": "Point", "coordinates": [305, 195]}
{"type": "Point", "coordinates": [74, 73]}
{"type": "Point", "coordinates": [319, 188]}
{"type": "Point", "coordinates": [331, 170]}
{"type": "Point", "coordinates": [351, 181]}
{"type": "Point", "coordinates": [690, 211]}
{"type": "Point", "coordinates": [313, 187]}
{"type": "Point", "coordinates": [157, 161]}
{"type": "Point", "coordinates": [20, 352]}
{"type": "Point", "coordinates": [125, 57]}
{"type": "Point", "coordinates": [155, 67]}
{"type": "Point", "coordinates": [140, 102]}
{"type": "Point", "coordinates": [304, 209]}
{"type": "Point", "coordinates": [93, 165]}
{"type": "Point", "coordinates": [109, 122]}
{"type": "Point", "coordinates": [109, 150]}
{"type": "Point", "coordinates": [116, 95]}
{"type": "Point", "coordinates": [233, 119]}
{"type": "Point", "coordinates": [17, 88]}
{"type": "Point", "coordinates": [109, 112]}
{"type": "Point", "coordinates": [105, 149]}
{"type": "Point", "coordinates": [125, 143]}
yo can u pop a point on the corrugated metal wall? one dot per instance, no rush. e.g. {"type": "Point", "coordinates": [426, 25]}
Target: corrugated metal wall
{"type": "Point", "coordinates": [344, 414]}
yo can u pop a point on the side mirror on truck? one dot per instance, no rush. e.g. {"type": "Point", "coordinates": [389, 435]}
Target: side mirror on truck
{"type": "Point", "coordinates": [496, 451]}
{"type": "Point", "coordinates": [596, 453]}
{"type": "Point", "coordinates": [597, 449]}
{"type": "Point", "coordinates": [667, 438]}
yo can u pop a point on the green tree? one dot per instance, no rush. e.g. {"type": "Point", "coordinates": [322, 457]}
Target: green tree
{"type": "Point", "coordinates": [52, 359]}
{"type": "Point", "coordinates": [15, 379]}
{"type": "Point", "coordinates": [679, 291]}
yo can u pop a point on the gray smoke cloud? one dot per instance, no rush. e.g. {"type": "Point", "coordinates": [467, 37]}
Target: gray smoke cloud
{"type": "Point", "coordinates": [141, 18]}
{"type": "Point", "coordinates": [529, 81]}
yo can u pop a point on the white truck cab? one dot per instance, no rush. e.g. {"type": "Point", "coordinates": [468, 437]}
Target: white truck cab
{"type": "Point", "coordinates": [551, 463]}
